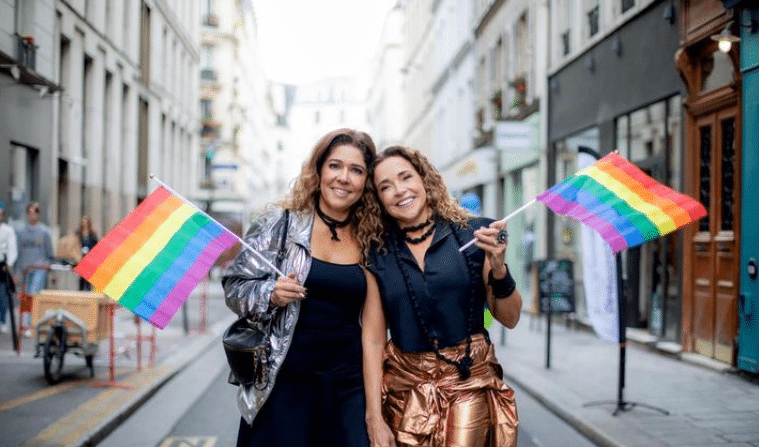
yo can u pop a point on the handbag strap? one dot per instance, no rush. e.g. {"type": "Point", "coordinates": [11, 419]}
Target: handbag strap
{"type": "Point", "coordinates": [282, 249]}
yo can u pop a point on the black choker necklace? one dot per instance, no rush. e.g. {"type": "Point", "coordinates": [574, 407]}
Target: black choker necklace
{"type": "Point", "coordinates": [420, 239]}
{"type": "Point", "coordinates": [332, 224]}
{"type": "Point", "coordinates": [417, 227]}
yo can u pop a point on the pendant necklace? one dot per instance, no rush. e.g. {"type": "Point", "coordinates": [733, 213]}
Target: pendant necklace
{"type": "Point", "coordinates": [332, 224]}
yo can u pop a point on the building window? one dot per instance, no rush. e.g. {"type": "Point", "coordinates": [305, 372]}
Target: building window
{"type": "Point", "coordinates": [207, 55]}
{"type": "Point", "coordinates": [705, 172]}
{"type": "Point", "coordinates": [523, 46]}
{"type": "Point", "coordinates": [236, 136]}
{"type": "Point", "coordinates": [493, 66]}
{"type": "Point", "coordinates": [145, 43]}
{"type": "Point", "coordinates": [647, 132]}
{"type": "Point", "coordinates": [716, 71]}
{"type": "Point", "coordinates": [209, 16]}
{"type": "Point", "coordinates": [565, 43]}
{"type": "Point", "coordinates": [206, 109]}
{"type": "Point", "coordinates": [593, 21]}
{"type": "Point", "coordinates": [652, 133]}
{"type": "Point", "coordinates": [728, 174]}
{"type": "Point", "coordinates": [627, 4]}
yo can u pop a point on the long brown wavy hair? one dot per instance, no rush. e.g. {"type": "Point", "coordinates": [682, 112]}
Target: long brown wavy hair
{"type": "Point", "coordinates": [442, 205]}
{"type": "Point", "coordinates": [303, 195]}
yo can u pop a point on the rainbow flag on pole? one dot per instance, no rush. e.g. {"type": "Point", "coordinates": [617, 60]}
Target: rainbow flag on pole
{"type": "Point", "coordinates": [619, 201]}
{"type": "Point", "coordinates": [151, 260]}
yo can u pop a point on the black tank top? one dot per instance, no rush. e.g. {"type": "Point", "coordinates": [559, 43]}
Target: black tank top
{"type": "Point", "coordinates": [335, 295]}
{"type": "Point", "coordinates": [328, 335]}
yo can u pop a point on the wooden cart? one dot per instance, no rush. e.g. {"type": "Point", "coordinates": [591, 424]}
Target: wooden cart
{"type": "Point", "coordinates": [69, 321]}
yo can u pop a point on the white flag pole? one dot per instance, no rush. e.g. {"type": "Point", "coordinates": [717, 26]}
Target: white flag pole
{"type": "Point", "coordinates": [244, 244]}
{"type": "Point", "coordinates": [514, 213]}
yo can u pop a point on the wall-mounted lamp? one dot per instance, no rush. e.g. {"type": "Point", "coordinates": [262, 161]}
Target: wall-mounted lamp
{"type": "Point", "coordinates": [725, 39]}
{"type": "Point", "coordinates": [616, 46]}
{"type": "Point", "coordinates": [15, 71]}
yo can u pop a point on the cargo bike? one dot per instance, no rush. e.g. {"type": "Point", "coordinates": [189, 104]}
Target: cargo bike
{"type": "Point", "coordinates": [64, 320]}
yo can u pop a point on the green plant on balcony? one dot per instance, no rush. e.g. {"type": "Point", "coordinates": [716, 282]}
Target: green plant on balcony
{"type": "Point", "coordinates": [520, 89]}
{"type": "Point", "coordinates": [497, 100]}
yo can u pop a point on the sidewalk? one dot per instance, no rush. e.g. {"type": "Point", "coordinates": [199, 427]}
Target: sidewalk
{"type": "Point", "coordinates": [706, 407]}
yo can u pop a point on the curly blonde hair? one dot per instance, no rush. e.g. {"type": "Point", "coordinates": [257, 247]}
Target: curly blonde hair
{"type": "Point", "coordinates": [442, 205]}
{"type": "Point", "coordinates": [303, 195]}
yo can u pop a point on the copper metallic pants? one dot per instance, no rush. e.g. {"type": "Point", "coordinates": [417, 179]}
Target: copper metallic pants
{"type": "Point", "coordinates": [427, 404]}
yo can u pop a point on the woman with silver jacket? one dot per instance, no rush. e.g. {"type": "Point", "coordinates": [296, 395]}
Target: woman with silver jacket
{"type": "Point", "coordinates": [315, 395]}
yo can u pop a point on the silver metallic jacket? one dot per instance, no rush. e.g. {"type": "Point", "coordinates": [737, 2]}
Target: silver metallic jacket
{"type": "Point", "coordinates": [248, 284]}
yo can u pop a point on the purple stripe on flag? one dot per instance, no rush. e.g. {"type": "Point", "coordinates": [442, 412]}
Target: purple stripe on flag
{"type": "Point", "coordinates": [559, 205]}
{"type": "Point", "coordinates": [181, 291]}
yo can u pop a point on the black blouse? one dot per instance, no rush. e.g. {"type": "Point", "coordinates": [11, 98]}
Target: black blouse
{"type": "Point", "coordinates": [443, 289]}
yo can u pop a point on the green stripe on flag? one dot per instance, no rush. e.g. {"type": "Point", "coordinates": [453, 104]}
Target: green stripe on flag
{"type": "Point", "coordinates": [152, 272]}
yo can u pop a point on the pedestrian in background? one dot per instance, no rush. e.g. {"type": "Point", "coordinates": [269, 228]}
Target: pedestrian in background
{"type": "Point", "coordinates": [87, 239]}
{"type": "Point", "coordinates": [317, 398]}
{"type": "Point", "coordinates": [437, 382]}
{"type": "Point", "coordinates": [34, 248]}
{"type": "Point", "coordinates": [8, 255]}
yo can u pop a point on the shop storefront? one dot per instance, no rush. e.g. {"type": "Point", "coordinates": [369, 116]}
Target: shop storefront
{"type": "Point", "coordinates": [617, 103]}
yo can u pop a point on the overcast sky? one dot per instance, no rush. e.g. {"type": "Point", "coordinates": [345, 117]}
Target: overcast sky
{"type": "Point", "coordinates": [305, 40]}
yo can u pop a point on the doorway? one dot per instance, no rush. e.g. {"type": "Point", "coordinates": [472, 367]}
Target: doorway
{"type": "Point", "coordinates": [712, 286]}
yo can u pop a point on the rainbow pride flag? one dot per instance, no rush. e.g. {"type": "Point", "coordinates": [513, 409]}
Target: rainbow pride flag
{"type": "Point", "coordinates": [619, 201]}
{"type": "Point", "coordinates": [151, 260]}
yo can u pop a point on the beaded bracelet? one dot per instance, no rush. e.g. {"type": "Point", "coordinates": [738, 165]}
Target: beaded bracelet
{"type": "Point", "coordinates": [503, 287]}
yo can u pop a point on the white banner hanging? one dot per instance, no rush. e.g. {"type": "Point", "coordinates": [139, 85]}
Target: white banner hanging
{"type": "Point", "coordinates": [599, 275]}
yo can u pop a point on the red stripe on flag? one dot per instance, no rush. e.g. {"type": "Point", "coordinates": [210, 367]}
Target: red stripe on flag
{"type": "Point", "coordinates": [89, 264]}
{"type": "Point", "coordinates": [647, 189]}
{"type": "Point", "coordinates": [691, 206]}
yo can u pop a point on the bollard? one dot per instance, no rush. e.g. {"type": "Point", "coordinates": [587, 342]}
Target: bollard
{"type": "Point", "coordinates": [112, 355]}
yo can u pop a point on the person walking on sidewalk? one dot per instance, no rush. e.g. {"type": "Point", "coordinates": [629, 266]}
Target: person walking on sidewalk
{"type": "Point", "coordinates": [34, 248]}
{"type": "Point", "coordinates": [437, 382]}
{"type": "Point", "coordinates": [8, 255]}
{"type": "Point", "coordinates": [315, 396]}
{"type": "Point", "coordinates": [87, 239]}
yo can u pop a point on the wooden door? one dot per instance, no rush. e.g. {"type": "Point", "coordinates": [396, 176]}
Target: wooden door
{"type": "Point", "coordinates": [715, 251]}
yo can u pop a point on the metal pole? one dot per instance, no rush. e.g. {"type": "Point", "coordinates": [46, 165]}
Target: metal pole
{"type": "Point", "coordinates": [139, 342]}
{"type": "Point", "coordinates": [550, 267]}
{"type": "Point", "coordinates": [204, 305]}
{"type": "Point", "coordinates": [112, 345]}
{"type": "Point", "coordinates": [548, 333]}
{"type": "Point", "coordinates": [622, 335]}
{"type": "Point", "coordinates": [185, 318]}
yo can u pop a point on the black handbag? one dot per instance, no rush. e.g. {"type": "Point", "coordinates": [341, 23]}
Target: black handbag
{"type": "Point", "coordinates": [247, 341]}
